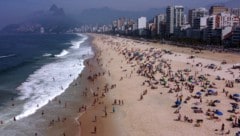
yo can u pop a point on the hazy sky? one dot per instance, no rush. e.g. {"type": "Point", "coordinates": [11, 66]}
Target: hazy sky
{"type": "Point", "coordinates": [13, 11]}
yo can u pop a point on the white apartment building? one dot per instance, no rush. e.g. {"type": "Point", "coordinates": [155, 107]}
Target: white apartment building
{"type": "Point", "coordinates": [142, 23]}
{"type": "Point", "coordinates": [174, 18]}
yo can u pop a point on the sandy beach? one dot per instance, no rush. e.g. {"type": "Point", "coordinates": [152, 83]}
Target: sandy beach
{"type": "Point", "coordinates": [148, 109]}
{"type": "Point", "coordinates": [133, 88]}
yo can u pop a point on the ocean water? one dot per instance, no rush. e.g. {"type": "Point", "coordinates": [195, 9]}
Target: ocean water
{"type": "Point", "coordinates": [36, 68]}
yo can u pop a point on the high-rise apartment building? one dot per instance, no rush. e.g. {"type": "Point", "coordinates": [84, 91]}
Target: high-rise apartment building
{"type": "Point", "coordinates": [142, 23]}
{"type": "Point", "coordinates": [178, 16]}
{"type": "Point", "coordinates": [174, 18]}
{"type": "Point", "coordinates": [236, 36]}
{"type": "Point", "coordinates": [196, 13]}
{"type": "Point", "coordinates": [160, 19]}
{"type": "Point", "coordinates": [170, 20]}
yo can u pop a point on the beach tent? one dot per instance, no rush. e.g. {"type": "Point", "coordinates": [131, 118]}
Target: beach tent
{"type": "Point", "coordinates": [136, 54]}
{"type": "Point", "coordinates": [238, 133]}
{"type": "Point", "coordinates": [216, 101]}
{"type": "Point", "coordinates": [219, 113]}
{"type": "Point", "coordinates": [236, 66]}
{"type": "Point", "coordinates": [199, 93]}
{"type": "Point", "coordinates": [211, 91]}
{"type": "Point", "coordinates": [237, 99]}
{"type": "Point", "coordinates": [218, 78]}
{"type": "Point", "coordinates": [178, 103]}
{"type": "Point", "coordinates": [236, 95]}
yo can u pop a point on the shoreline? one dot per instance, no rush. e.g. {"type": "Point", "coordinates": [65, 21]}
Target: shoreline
{"type": "Point", "coordinates": [75, 103]}
{"type": "Point", "coordinates": [84, 98]}
{"type": "Point", "coordinates": [61, 112]}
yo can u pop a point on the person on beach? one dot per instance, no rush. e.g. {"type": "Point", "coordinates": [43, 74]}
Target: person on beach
{"type": "Point", "coordinates": [223, 127]}
{"type": "Point", "coordinates": [95, 130]}
{"type": "Point", "coordinates": [179, 117]}
{"type": "Point", "coordinates": [113, 109]}
{"type": "Point", "coordinates": [105, 114]}
{"type": "Point", "coordinates": [141, 97]}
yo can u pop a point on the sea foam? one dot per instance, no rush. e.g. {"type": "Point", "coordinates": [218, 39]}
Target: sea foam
{"type": "Point", "coordinates": [63, 53]}
{"type": "Point", "coordinates": [7, 56]}
{"type": "Point", "coordinates": [76, 44]}
{"type": "Point", "coordinates": [47, 55]}
{"type": "Point", "coordinates": [51, 80]}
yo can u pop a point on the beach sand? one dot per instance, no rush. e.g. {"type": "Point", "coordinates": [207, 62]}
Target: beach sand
{"type": "Point", "coordinates": [110, 76]}
{"type": "Point", "coordinates": [154, 114]}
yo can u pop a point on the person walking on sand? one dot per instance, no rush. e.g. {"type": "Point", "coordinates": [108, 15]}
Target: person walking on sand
{"type": "Point", "coordinates": [179, 117]}
{"type": "Point", "coordinates": [113, 109]}
{"type": "Point", "coordinates": [95, 129]}
{"type": "Point", "coordinates": [141, 97]}
{"type": "Point", "coordinates": [105, 113]}
{"type": "Point", "coordinates": [223, 127]}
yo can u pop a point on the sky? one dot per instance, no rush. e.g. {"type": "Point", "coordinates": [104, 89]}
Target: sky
{"type": "Point", "coordinates": [14, 11]}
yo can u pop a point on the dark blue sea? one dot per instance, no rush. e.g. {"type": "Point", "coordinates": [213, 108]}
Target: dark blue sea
{"type": "Point", "coordinates": [35, 68]}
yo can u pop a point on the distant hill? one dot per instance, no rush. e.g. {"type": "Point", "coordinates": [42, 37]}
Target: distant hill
{"type": "Point", "coordinates": [53, 20]}
{"type": "Point", "coordinates": [54, 10]}
{"type": "Point", "coordinates": [107, 15]}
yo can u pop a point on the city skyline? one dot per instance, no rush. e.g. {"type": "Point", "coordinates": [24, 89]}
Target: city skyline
{"type": "Point", "coordinates": [24, 8]}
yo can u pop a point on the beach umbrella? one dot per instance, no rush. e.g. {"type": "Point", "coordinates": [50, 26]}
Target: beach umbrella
{"type": "Point", "coordinates": [198, 93]}
{"type": "Point", "coordinates": [236, 95]}
{"type": "Point", "coordinates": [219, 113]}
